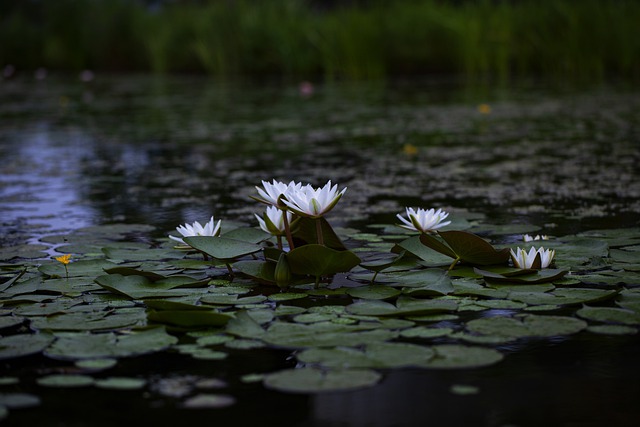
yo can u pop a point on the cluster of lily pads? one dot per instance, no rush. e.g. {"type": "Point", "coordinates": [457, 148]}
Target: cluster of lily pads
{"type": "Point", "coordinates": [295, 211]}
{"type": "Point", "coordinates": [412, 295]}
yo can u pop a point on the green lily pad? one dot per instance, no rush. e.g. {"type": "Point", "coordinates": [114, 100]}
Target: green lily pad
{"type": "Point", "coordinates": [567, 296]}
{"type": "Point", "coordinates": [76, 346]}
{"type": "Point", "coordinates": [322, 334]}
{"type": "Point", "coordinates": [537, 276]}
{"type": "Point", "coordinates": [23, 345]}
{"type": "Point", "coordinates": [312, 380]}
{"type": "Point", "coordinates": [19, 400]}
{"type": "Point", "coordinates": [612, 330]}
{"type": "Point", "coordinates": [529, 326]}
{"type": "Point", "coordinates": [454, 356]}
{"type": "Point", "coordinates": [610, 314]}
{"type": "Point", "coordinates": [430, 258]}
{"type": "Point", "coordinates": [305, 232]}
{"type": "Point", "coordinates": [65, 381]}
{"type": "Point", "coordinates": [374, 292]}
{"type": "Point", "coordinates": [96, 364]}
{"type": "Point", "coordinates": [317, 260]}
{"type": "Point", "coordinates": [92, 267]}
{"type": "Point", "coordinates": [121, 383]}
{"type": "Point", "coordinates": [467, 247]}
{"type": "Point", "coordinates": [222, 248]}
{"type": "Point", "coordinates": [208, 401]}
{"type": "Point", "coordinates": [404, 307]}
{"type": "Point", "coordinates": [377, 355]}
{"type": "Point", "coordinates": [94, 321]}
{"type": "Point", "coordinates": [140, 287]}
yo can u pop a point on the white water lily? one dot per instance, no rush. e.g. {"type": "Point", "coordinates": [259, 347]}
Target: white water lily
{"type": "Point", "coordinates": [423, 220]}
{"type": "Point", "coordinates": [313, 202]}
{"type": "Point", "coordinates": [523, 259]}
{"type": "Point", "coordinates": [272, 192]}
{"type": "Point", "coordinates": [528, 238]}
{"type": "Point", "coordinates": [211, 228]}
{"type": "Point", "coordinates": [272, 221]}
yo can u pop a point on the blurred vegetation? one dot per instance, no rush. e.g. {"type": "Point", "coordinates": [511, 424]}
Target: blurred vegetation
{"type": "Point", "coordinates": [586, 39]}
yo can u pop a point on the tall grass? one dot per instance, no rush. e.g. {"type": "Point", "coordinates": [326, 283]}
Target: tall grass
{"type": "Point", "coordinates": [585, 39]}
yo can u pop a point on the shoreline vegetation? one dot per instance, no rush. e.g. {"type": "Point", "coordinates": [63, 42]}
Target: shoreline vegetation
{"type": "Point", "coordinates": [578, 40]}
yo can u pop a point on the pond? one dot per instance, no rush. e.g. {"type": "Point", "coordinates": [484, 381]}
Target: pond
{"type": "Point", "coordinates": [107, 169]}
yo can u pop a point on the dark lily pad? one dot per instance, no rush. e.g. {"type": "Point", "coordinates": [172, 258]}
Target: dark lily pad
{"type": "Point", "coordinates": [65, 381]}
{"type": "Point", "coordinates": [466, 247]}
{"type": "Point", "coordinates": [189, 318]}
{"type": "Point", "coordinates": [222, 248]}
{"type": "Point", "coordinates": [377, 355]}
{"type": "Point", "coordinates": [531, 277]}
{"type": "Point", "coordinates": [23, 345]}
{"type": "Point", "coordinates": [317, 260]}
{"type": "Point", "coordinates": [529, 326]}
{"type": "Point", "coordinates": [322, 334]}
{"type": "Point", "coordinates": [121, 383]}
{"type": "Point", "coordinates": [610, 314]}
{"type": "Point", "coordinates": [311, 380]}
{"type": "Point", "coordinates": [453, 356]}
{"type": "Point", "coordinates": [404, 307]}
{"type": "Point", "coordinates": [374, 292]}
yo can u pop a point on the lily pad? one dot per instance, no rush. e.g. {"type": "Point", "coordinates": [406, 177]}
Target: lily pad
{"type": "Point", "coordinates": [610, 314]}
{"type": "Point", "coordinates": [322, 334]}
{"type": "Point", "coordinates": [380, 292]}
{"type": "Point", "coordinates": [23, 345]}
{"type": "Point", "coordinates": [466, 247]}
{"type": "Point", "coordinates": [312, 380]}
{"type": "Point", "coordinates": [317, 260]}
{"type": "Point", "coordinates": [404, 307]}
{"type": "Point", "coordinates": [530, 326]}
{"type": "Point", "coordinates": [189, 318]}
{"type": "Point", "coordinates": [377, 355]}
{"type": "Point", "coordinates": [537, 276]}
{"type": "Point", "coordinates": [454, 356]}
{"type": "Point", "coordinates": [65, 381]}
{"type": "Point", "coordinates": [222, 248]}
{"type": "Point", "coordinates": [121, 383]}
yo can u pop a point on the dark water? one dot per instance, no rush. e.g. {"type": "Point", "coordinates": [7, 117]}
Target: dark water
{"type": "Point", "coordinates": [167, 151]}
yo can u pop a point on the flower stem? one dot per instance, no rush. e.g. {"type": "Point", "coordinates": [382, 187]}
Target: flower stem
{"type": "Point", "coordinates": [279, 238]}
{"type": "Point", "coordinates": [319, 232]}
{"type": "Point", "coordinates": [287, 229]}
{"type": "Point", "coordinates": [230, 271]}
{"type": "Point", "coordinates": [453, 264]}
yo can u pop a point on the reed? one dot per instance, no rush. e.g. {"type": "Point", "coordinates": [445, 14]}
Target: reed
{"type": "Point", "coordinates": [590, 39]}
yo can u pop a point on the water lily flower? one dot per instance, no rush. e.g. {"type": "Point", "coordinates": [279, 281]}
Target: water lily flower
{"type": "Point", "coordinates": [273, 192]}
{"type": "Point", "coordinates": [64, 259]}
{"type": "Point", "coordinates": [523, 259]}
{"type": "Point", "coordinates": [273, 221]}
{"type": "Point", "coordinates": [313, 202]}
{"type": "Point", "coordinates": [528, 238]}
{"type": "Point", "coordinates": [196, 229]}
{"type": "Point", "coordinates": [423, 220]}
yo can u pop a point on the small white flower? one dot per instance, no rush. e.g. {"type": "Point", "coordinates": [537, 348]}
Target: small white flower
{"type": "Point", "coordinates": [272, 221]}
{"type": "Point", "coordinates": [523, 259]}
{"type": "Point", "coordinates": [313, 202]}
{"type": "Point", "coordinates": [528, 238]}
{"type": "Point", "coordinates": [272, 192]}
{"type": "Point", "coordinates": [423, 220]}
{"type": "Point", "coordinates": [196, 229]}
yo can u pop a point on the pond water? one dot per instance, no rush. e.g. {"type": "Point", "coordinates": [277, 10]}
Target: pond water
{"type": "Point", "coordinates": [523, 157]}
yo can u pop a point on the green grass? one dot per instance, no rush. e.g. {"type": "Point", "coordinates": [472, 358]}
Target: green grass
{"type": "Point", "coordinates": [586, 39]}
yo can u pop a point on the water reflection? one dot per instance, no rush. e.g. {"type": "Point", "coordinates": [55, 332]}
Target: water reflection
{"type": "Point", "coordinates": [175, 150]}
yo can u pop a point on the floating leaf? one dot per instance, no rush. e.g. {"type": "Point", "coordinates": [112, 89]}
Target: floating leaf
{"type": "Point", "coordinates": [305, 233]}
{"type": "Point", "coordinates": [453, 356]}
{"type": "Point", "coordinates": [23, 345]}
{"type": "Point", "coordinates": [612, 330]}
{"type": "Point", "coordinates": [209, 401]}
{"type": "Point", "coordinates": [530, 326]}
{"type": "Point", "coordinates": [222, 248]}
{"type": "Point", "coordinates": [19, 400]}
{"type": "Point", "coordinates": [431, 258]}
{"type": "Point", "coordinates": [405, 307]}
{"type": "Point", "coordinates": [610, 314]}
{"type": "Point", "coordinates": [377, 355]}
{"type": "Point", "coordinates": [373, 292]}
{"type": "Point", "coordinates": [311, 380]}
{"type": "Point", "coordinates": [318, 260]}
{"type": "Point", "coordinates": [65, 381]}
{"type": "Point", "coordinates": [467, 247]}
{"type": "Point", "coordinates": [121, 383]}
{"type": "Point", "coordinates": [323, 334]}
{"type": "Point", "coordinates": [529, 277]}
